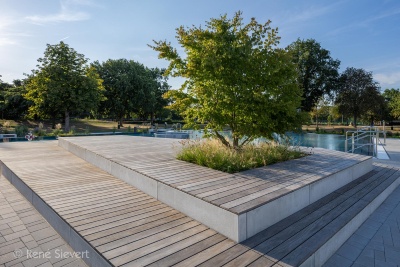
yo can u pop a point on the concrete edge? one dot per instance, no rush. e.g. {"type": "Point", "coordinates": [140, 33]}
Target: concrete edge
{"type": "Point", "coordinates": [333, 244]}
{"type": "Point", "coordinates": [258, 219]}
{"type": "Point", "coordinates": [71, 237]}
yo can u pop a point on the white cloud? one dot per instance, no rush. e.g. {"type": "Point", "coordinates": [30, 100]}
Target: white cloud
{"type": "Point", "coordinates": [68, 13]}
{"type": "Point", "coordinates": [388, 79]}
{"type": "Point", "coordinates": [7, 41]}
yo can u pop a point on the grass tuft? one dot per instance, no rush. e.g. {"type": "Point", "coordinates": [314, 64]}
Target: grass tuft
{"type": "Point", "coordinates": [213, 154]}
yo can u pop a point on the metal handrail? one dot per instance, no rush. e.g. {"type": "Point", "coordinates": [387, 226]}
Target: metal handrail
{"type": "Point", "coordinates": [363, 132]}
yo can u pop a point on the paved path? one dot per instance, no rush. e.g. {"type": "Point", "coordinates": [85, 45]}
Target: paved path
{"type": "Point", "coordinates": [393, 149]}
{"type": "Point", "coordinates": [377, 241]}
{"type": "Point", "coordinates": [24, 232]}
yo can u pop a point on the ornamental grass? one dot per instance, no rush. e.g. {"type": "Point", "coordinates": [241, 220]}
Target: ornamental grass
{"type": "Point", "coordinates": [213, 154]}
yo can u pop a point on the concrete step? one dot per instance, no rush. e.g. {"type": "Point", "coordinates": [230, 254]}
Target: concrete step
{"type": "Point", "coordinates": [312, 235]}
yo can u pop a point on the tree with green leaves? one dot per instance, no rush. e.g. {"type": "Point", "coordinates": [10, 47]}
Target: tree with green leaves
{"type": "Point", "coordinates": [390, 96]}
{"type": "Point", "coordinates": [157, 87]}
{"type": "Point", "coordinates": [12, 101]}
{"type": "Point", "coordinates": [131, 88]}
{"type": "Point", "coordinates": [235, 76]}
{"type": "Point", "coordinates": [318, 71]}
{"type": "Point", "coordinates": [125, 83]}
{"type": "Point", "coordinates": [320, 108]}
{"type": "Point", "coordinates": [358, 93]}
{"type": "Point", "coordinates": [64, 82]}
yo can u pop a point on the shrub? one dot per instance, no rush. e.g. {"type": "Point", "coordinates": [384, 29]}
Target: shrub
{"type": "Point", "coordinates": [58, 132]}
{"type": "Point", "coordinates": [72, 130]}
{"type": "Point", "coordinates": [213, 154]}
{"type": "Point", "coordinates": [21, 130]}
{"type": "Point", "coordinates": [6, 127]}
{"type": "Point", "coordinates": [129, 129]}
{"type": "Point", "coordinates": [333, 132]}
{"type": "Point", "coordinates": [114, 129]}
{"type": "Point", "coordinates": [39, 131]}
{"type": "Point", "coordinates": [87, 130]}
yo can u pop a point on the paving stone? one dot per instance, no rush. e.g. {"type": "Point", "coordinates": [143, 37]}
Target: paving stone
{"type": "Point", "coordinates": [392, 256]}
{"type": "Point", "coordinates": [349, 252]}
{"type": "Point", "coordinates": [6, 231]}
{"type": "Point", "coordinates": [379, 255]}
{"type": "Point", "coordinates": [366, 232]}
{"type": "Point", "coordinates": [379, 263]}
{"type": "Point", "coordinates": [360, 239]}
{"type": "Point", "coordinates": [365, 261]}
{"type": "Point", "coordinates": [16, 235]}
{"type": "Point", "coordinates": [339, 261]}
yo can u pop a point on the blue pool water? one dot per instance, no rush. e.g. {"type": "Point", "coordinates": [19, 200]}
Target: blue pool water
{"type": "Point", "coordinates": [328, 141]}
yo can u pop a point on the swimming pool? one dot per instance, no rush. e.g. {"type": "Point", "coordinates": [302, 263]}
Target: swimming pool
{"type": "Point", "coordinates": [328, 141]}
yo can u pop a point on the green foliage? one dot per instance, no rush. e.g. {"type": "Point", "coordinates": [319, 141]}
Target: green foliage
{"type": "Point", "coordinates": [72, 130]}
{"type": "Point", "coordinates": [318, 71]}
{"type": "Point", "coordinates": [129, 130]}
{"type": "Point", "coordinates": [392, 97]}
{"type": "Point", "coordinates": [63, 82]}
{"type": "Point", "coordinates": [213, 154]}
{"type": "Point", "coordinates": [39, 131]}
{"type": "Point", "coordinates": [6, 127]}
{"type": "Point", "coordinates": [359, 95]}
{"type": "Point", "coordinates": [21, 130]}
{"type": "Point", "coordinates": [235, 76]}
{"type": "Point", "coordinates": [131, 87]}
{"type": "Point", "coordinates": [12, 101]}
{"type": "Point", "coordinates": [87, 131]}
{"type": "Point", "coordinates": [114, 129]}
{"type": "Point", "coordinates": [320, 108]}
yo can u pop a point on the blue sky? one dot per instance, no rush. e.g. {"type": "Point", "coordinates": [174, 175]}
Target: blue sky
{"type": "Point", "coordinates": [360, 33]}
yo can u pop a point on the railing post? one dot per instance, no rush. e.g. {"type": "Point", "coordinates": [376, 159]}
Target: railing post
{"type": "Point", "coordinates": [384, 133]}
{"type": "Point", "coordinates": [376, 146]}
{"type": "Point", "coordinates": [352, 143]}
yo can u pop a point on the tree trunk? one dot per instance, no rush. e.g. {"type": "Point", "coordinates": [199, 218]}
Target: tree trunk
{"type": "Point", "coordinates": [53, 126]}
{"type": "Point", "coordinates": [66, 121]}
{"type": "Point", "coordinates": [152, 117]}
{"type": "Point", "coordinates": [235, 142]}
{"type": "Point", "coordinates": [355, 121]}
{"type": "Point", "coordinates": [121, 120]}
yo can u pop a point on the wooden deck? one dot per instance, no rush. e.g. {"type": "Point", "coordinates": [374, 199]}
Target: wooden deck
{"type": "Point", "coordinates": [130, 228]}
{"type": "Point", "coordinates": [239, 192]}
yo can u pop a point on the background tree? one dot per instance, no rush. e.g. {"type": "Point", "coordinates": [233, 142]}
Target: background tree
{"type": "Point", "coordinates": [12, 102]}
{"type": "Point", "coordinates": [374, 105]}
{"type": "Point", "coordinates": [157, 86]}
{"type": "Point", "coordinates": [125, 83]}
{"type": "Point", "coordinates": [357, 93]}
{"type": "Point", "coordinates": [131, 88]}
{"type": "Point", "coordinates": [64, 82]}
{"type": "Point", "coordinates": [390, 95]}
{"type": "Point", "coordinates": [235, 76]}
{"type": "Point", "coordinates": [318, 71]}
{"type": "Point", "coordinates": [320, 108]}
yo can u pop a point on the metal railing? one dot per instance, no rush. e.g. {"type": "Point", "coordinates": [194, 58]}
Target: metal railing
{"type": "Point", "coordinates": [370, 132]}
